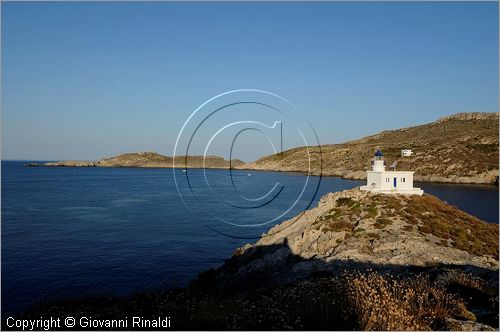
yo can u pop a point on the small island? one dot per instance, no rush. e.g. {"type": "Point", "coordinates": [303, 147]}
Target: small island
{"type": "Point", "coordinates": [151, 160]}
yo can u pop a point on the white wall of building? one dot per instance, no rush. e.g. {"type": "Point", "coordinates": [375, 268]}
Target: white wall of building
{"type": "Point", "coordinates": [385, 180]}
{"type": "Point", "coordinates": [378, 165]}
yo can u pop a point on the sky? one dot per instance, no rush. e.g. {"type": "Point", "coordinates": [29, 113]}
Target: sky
{"type": "Point", "coordinates": [87, 80]}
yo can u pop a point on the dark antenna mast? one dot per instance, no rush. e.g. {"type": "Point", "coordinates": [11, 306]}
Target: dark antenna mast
{"type": "Point", "coordinates": [281, 136]}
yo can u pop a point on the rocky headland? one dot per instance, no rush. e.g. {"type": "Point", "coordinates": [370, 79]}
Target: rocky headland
{"type": "Point", "coordinates": [356, 227]}
{"type": "Point", "coordinates": [150, 160]}
{"type": "Point", "coordinates": [461, 148]}
{"type": "Point", "coordinates": [357, 260]}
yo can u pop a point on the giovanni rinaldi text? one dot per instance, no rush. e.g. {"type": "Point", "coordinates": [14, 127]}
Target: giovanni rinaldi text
{"type": "Point", "coordinates": [87, 322]}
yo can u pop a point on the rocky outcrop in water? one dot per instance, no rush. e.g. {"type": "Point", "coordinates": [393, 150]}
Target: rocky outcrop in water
{"type": "Point", "coordinates": [150, 160]}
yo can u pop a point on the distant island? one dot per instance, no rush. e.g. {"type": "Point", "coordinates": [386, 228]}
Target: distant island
{"type": "Point", "coordinates": [357, 261]}
{"type": "Point", "coordinates": [149, 160]}
{"type": "Point", "coordinates": [461, 148]}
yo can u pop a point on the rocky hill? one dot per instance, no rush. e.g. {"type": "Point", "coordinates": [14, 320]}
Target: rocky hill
{"type": "Point", "coordinates": [357, 261]}
{"type": "Point", "coordinates": [462, 148]}
{"type": "Point", "coordinates": [376, 254]}
{"type": "Point", "coordinates": [151, 160]}
{"type": "Point", "coordinates": [360, 227]}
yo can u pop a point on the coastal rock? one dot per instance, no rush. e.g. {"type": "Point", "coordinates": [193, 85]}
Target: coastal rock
{"type": "Point", "coordinates": [468, 116]}
{"type": "Point", "coordinates": [355, 228]}
{"type": "Point", "coordinates": [71, 163]}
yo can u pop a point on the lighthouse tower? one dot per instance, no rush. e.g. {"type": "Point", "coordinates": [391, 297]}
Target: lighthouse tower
{"type": "Point", "coordinates": [378, 162]}
{"type": "Point", "coordinates": [389, 182]}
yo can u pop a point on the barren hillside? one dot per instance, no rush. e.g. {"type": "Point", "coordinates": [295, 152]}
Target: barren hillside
{"type": "Point", "coordinates": [462, 148]}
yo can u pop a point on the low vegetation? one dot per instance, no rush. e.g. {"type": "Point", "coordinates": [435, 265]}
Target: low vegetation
{"type": "Point", "coordinates": [434, 217]}
{"type": "Point", "coordinates": [447, 222]}
{"type": "Point", "coordinates": [426, 214]}
{"type": "Point", "coordinates": [351, 300]}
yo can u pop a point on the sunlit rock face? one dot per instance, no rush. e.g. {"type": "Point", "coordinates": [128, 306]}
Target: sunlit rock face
{"type": "Point", "coordinates": [360, 229]}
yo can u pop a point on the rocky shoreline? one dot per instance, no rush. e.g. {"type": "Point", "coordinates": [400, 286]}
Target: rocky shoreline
{"type": "Point", "coordinates": [213, 162]}
{"type": "Point", "coordinates": [489, 178]}
{"type": "Point", "coordinates": [357, 261]}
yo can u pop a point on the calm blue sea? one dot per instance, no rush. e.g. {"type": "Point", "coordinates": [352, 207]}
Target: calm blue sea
{"type": "Point", "coordinates": [77, 231]}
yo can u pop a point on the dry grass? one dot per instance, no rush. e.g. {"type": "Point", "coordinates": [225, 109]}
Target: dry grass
{"type": "Point", "coordinates": [447, 222]}
{"type": "Point", "coordinates": [430, 215]}
{"type": "Point", "coordinates": [408, 228]}
{"type": "Point", "coordinates": [338, 226]}
{"type": "Point", "coordinates": [382, 302]}
{"type": "Point", "coordinates": [375, 236]}
{"type": "Point", "coordinates": [349, 301]}
{"type": "Point", "coordinates": [382, 222]}
{"type": "Point", "coordinates": [433, 216]}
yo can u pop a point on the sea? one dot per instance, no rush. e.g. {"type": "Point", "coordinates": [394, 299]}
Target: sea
{"type": "Point", "coordinates": [71, 232]}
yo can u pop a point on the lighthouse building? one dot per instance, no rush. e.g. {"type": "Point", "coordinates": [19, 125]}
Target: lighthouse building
{"type": "Point", "coordinates": [389, 182]}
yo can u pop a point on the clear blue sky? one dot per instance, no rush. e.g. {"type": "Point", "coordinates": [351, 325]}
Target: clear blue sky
{"type": "Point", "coordinates": [89, 80]}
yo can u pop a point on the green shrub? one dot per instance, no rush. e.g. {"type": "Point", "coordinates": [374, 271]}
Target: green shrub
{"type": "Point", "coordinates": [372, 211]}
{"type": "Point", "coordinates": [345, 201]}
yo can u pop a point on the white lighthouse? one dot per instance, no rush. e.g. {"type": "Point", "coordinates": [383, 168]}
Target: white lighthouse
{"type": "Point", "coordinates": [389, 182]}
